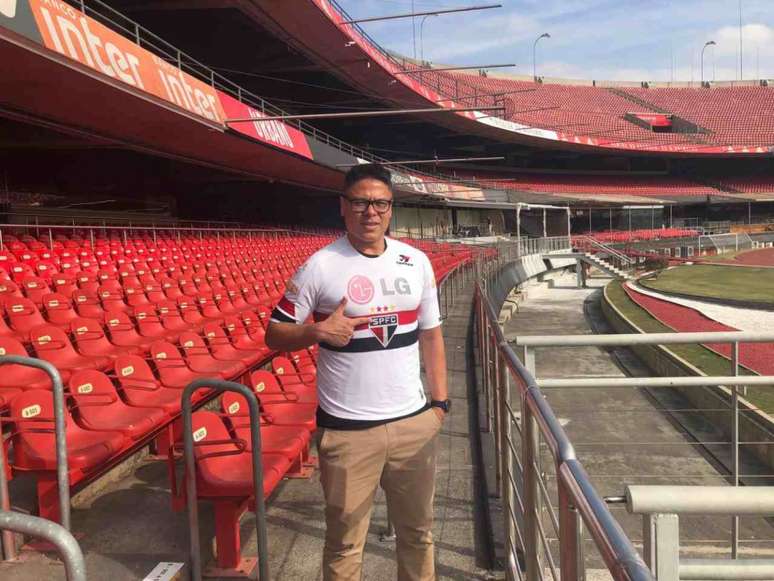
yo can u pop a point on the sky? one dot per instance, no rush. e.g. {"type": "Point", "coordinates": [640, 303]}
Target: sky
{"type": "Point", "coordinates": [621, 40]}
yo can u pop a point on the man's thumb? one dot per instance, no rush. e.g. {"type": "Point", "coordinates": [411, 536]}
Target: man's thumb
{"type": "Point", "coordinates": [340, 309]}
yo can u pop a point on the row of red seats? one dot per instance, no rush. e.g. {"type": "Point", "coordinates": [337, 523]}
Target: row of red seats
{"type": "Point", "coordinates": [619, 236]}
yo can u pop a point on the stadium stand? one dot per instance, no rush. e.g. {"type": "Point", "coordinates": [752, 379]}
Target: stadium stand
{"type": "Point", "coordinates": [734, 115]}
{"type": "Point", "coordinates": [721, 116]}
{"type": "Point", "coordinates": [147, 317]}
{"type": "Point", "coordinates": [601, 185]}
{"type": "Point", "coordinates": [623, 236]}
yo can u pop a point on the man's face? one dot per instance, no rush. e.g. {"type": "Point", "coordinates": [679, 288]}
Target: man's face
{"type": "Point", "coordinates": [368, 226]}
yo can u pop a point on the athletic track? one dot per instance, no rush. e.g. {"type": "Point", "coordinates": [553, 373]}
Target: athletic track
{"type": "Point", "coordinates": [758, 357]}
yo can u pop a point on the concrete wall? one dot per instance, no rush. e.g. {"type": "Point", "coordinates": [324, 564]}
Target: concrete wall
{"type": "Point", "coordinates": [437, 222]}
{"type": "Point", "coordinates": [426, 222]}
{"type": "Point", "coordinates": [513, 275]}
{"type": "Point", "coordinates": [754, 425]}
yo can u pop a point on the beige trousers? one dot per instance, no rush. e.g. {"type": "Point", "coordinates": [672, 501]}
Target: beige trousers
{"type": "Point", "coordinates": [400, 456]}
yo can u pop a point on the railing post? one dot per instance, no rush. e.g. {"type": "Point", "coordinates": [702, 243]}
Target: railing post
{"type": "Point", "coordinates": [735, 445]}
{"type": "Point", "coordinates": [190, 473]}
{"type": "Point", "coordinates": [485, 374]}
{"type": "Point", "coordinates": [529, 359]}
{"type": "Point", "coordinates": [661, 545]}
{"type": "Point", "coordinates": [568, 531]}
{"type": "Point", "coordinates": [530, 450]}
{"type": "Point", "coordinates": [62, 470]}
{"type": "Point", "coordinates": [497, 406]}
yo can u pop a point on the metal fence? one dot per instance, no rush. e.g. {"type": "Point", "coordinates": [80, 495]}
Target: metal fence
{"type": "Point", "coordinates": [40, 528]}
{"type": "Point", "coordinates": [520, 418]}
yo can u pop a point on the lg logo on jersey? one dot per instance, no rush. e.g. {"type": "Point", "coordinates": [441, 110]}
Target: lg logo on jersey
{"type": "Point", "coordinates": [361, 290]}
{"type": "Point", "coordinates": [400, 286]}
{"type": "Point", "coordinates": [8, 8]}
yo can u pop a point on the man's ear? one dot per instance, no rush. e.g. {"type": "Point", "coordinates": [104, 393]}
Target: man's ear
{"type": "Point", "coordinates": [342, 201]}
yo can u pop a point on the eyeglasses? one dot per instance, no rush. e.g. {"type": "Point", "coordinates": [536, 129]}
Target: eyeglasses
{"type": "Point", "coordinates": [360, 205]}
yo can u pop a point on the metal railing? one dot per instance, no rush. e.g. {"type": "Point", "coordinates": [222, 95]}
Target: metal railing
{"type": "Point", "coordinates": [190, 473]}
{"type": "Point", "coordinates": [57, 535]}
{"type": "Point", "coordinates": [735, 383]}
{"type": "Point", "coordinates": [518, 426]}
{"type": "Point", "coordinates": [515, 248]}
{"type": "Point", "coordinates": [661, 508]}
{"type": "Point", "coordinates": [62, 471]}
{"type": "Point", "coordinates": [615, 257]}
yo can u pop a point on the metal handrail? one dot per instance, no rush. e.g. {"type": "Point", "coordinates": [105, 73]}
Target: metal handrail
{"type": "Point", "coordinates": [62, 468]}
{"type": "Point", "coordinates": [625, 260]}
{"type": "Point", "coordinates": [576, 490]}
{"type": "Point", "coordinates": [190, 473]}
{"type": "Point", "coordinates": [57, 535]}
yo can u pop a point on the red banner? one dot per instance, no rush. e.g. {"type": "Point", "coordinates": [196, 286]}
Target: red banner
{"type": "Point", "coordinates": [69, 32]}
{"type": "Point", "coordinates": [274, 133]}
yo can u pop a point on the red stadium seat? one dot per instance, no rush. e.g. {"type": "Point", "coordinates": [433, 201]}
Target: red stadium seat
{"type": "Point", "coordinates": [198, 357]}
{"type": "Point", "coordinates": [14, 376]}
{"type": "Point", "coordinates": [53, 345]}
{"type": "Point", "coordinates": [23, 316]}
{"type": "Point", "coordinates": [172, 368]}
{"type": "Point", "coordinates": [223, 349]}
{"type": "Point", "coordinates": [99, 407]}
{"type": "Point", "coordinates": [35, 450]}
{"type": "Point", "coordinates": [224, 475]}
{"type": "Point", "coordinates": [291, 441]}
{"type": "Point", "coordinates": [59, 310]}
{"type": "Point", "coordinates": [140, 388]}
{"type": "Point", "coordinates": [282, 407]}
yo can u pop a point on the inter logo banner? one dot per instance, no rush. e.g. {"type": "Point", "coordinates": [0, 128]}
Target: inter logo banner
{"type": "Point", "coordinates": [64, 29]}
{"type": "Point", "coordinates": [383, 327]}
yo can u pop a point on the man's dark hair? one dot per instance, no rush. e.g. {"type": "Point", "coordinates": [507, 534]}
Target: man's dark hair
{"type": "Point", "coordinates": [368, 171]}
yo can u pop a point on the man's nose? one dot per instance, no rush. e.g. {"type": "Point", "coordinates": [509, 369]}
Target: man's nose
{"type": "Point", "coordinates": [370, 210]}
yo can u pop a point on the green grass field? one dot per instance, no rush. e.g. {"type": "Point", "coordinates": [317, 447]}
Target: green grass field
{"type": "Point", "coordinates": [706, 280]}
{"type": "Point", "coordinates": [706, 360]}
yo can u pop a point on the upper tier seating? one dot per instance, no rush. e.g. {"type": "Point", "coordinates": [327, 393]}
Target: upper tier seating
{"type": "Point", "coordinates": [728, 116]}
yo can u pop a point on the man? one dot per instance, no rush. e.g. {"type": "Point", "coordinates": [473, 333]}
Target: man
{"type": "Point", "coordinates": [374, 304]}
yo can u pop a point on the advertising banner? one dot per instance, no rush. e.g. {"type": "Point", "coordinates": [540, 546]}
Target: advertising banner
{"type": "Point", "coordinates": [64, 29]}
{"type": "Point", "coordinates": [274, 133]}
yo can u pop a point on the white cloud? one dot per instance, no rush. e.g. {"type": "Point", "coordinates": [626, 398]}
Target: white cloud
{"type": "Point", "coordinates": [591, 39]}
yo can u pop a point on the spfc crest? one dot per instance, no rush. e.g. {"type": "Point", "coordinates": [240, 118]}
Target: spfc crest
{"type": "Point", "coordinates": [383, 327]}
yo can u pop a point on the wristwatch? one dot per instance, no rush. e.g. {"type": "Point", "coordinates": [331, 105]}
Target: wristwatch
{"type": "Point", "coordinates": [444, 404]}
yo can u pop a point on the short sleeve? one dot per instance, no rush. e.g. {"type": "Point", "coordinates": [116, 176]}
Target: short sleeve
{"type": "Point", "coordinates": [429, 315]}
{"type": "Point", "coordinates": [300, 298]}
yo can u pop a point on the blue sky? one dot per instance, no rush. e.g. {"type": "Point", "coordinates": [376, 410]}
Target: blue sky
{"type": "Point", "coordinates": [656, 40]}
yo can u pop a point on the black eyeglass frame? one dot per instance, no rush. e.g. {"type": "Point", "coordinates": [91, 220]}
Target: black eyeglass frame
{"type": "Point", "coordinates": [367, 203]}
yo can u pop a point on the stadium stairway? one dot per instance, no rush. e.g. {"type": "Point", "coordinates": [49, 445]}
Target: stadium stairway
{"type": "Point", "coordinates": [605, 266]}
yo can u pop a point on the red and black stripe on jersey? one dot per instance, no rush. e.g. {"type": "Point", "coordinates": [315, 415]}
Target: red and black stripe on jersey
{"type": "Point", "coordinates": [285, 311]}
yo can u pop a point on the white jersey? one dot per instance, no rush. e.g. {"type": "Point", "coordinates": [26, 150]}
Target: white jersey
{"type": "Point", "coordinates": [376, 375]}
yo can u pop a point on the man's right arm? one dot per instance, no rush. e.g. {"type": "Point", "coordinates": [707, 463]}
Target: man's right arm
{"type": "Point", "coordinates": [290, 336]}
{"type": "Point", "coordinates": [336, 330]}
